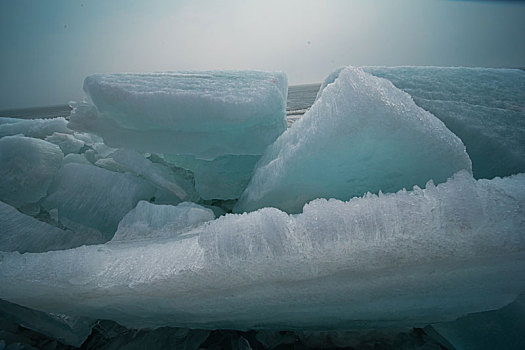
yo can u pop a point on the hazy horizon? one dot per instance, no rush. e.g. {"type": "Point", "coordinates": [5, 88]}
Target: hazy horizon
{"type": "Point", "coordinates": [49, 47]}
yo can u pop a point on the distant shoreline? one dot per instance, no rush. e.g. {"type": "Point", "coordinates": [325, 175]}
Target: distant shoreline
{"type": "Point", "coordinates": [46, 112]}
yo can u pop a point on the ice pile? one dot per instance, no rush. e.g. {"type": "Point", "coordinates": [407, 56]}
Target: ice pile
{"type": "Point", "coordinates": [362, 134]}
{"type": "Point", "coordinates": [122, 225]}
{"type": "Point", "coordinates": [484, 107]}
{"type": "Point", "coordinates": [445, 250]}
{"type": "Point", "coordinates": [199, 115]}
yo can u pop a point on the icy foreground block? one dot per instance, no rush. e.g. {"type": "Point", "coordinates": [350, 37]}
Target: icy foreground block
{"type": "Point", "coordinates": [402, 259]}
{"type": "Point", "coordinates": [68, 330]}
{"type": "Point", "coordinates": [88, 197]}
{"type": "Point", "coordinates": [23, 233]}
{"type": "Point", "coordinates": [148, 220]}
{"type": "Point", "coordinates": [363, 134]}
{"type": "Point", "coordinates": [27, 168]}
{"type": "Point", "coordinates": [497, 329]}
{"type": "Point", "coordinates": [38, 128]}
{"type": "Point", "coordinates": [484, 107]}
{"type": "Point", "coordinates": [204, 114]}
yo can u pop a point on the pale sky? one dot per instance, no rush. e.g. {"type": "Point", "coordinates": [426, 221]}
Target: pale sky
{"type": "Point", "coordinates": [48, 47]}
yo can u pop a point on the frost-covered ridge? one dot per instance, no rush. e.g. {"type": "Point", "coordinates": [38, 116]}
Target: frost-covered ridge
{"type": "Point", "coordinates": [466, 234]}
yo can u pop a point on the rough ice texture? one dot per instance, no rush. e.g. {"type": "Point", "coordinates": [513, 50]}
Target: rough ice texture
{"type": "Point", "coordinates": [402, 259]}
{"type": "Point", "coordinates": [27, 169]}
{"type": "Point", "coordinates": [23, 233]}
{"type": "Point", "coordinates": [224, 177]}
{"type": "Point", "coordinates": [88, 197]}
{"type": "Point", "coordinates": [204, 114]}
{"type": "Point", "coordinates": [484, 107]}
{"type": "Point", "coordinates": [149, 220]}
{"type": "Point", "coordinates": [66, 329]}
{"type": "Point", "coordinates": [362, 134]}
{"type": "Point", "coordinates": [38, 128]}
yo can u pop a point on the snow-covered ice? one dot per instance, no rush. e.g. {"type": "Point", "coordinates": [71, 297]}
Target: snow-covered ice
{"type": "Point", "coordinates": [362, 134]}
{"type": "Point", "coordinates": [204, 114]}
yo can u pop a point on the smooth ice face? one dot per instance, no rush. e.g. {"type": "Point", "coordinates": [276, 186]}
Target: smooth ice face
{"type": "Point", "coordinates": [402, 259]}
{"type": "Point", "coordinates": [203, 114]}
{"type": "Point", "coordinates": [362, 134]}
{"type": "Point", "coordinates": [89, 198]}
{"type": "Point", "coordinates": [27, 169]}
{"type": "Point", "coordinates": [149, 220]}
{"type": "Point", "coordinates": [23, 233]}
{"type": "Point", "coordinates": [484, 107]}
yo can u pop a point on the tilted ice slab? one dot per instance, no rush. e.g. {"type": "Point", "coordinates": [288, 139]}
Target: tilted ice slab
{"type": "Point", "coordinates": [27, 169]}
{"type": "Point", "coordinates": [403, 259]}
{"type": "Point", "coordinates": [92, 199]}
{"type": "Point", "coordinates": [149, 220]}
{"type": "Point", "coordinates": [485, 107]}
{"type": "Point", "coordinates": [204, 114]}
{"type": "Point", "coordinates": [23, 233]}
{"type": "Point", "coordinates": [362, 134]}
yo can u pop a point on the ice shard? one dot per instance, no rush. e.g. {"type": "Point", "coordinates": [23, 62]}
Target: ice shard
{"type": "Point", "coordinates": [362, 134]}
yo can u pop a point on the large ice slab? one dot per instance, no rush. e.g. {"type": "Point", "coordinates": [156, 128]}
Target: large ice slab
{"type": "Point", "coordinates": [362, 134]}
{"type": "Point", "coordinates": [27, 167]}
{"type": "Point", "coordinates": [149, 220]}
{"type": "Point", "coordinates": [91, 198]}
{"type": "Point", "coordinates": [484, 107]}
{"type": "Point", "coordinates": [204, 114]}
{"type": "Point", "coordinates": [23, 233]}
{"type": "Point", "coordinates": [403, 259]}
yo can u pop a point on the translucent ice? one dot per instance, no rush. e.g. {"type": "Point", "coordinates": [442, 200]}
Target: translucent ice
{"type": "Point", "coordinates": [362, 134]}
{"type": "Point", "coordinates": [484, 107]}
{"type": "Point", "coordinates": [403, 259]}
{"type": "Point", "coordinates": [204, 114]}
{"type": "Point", "coordinates": [23, 233]}
{"type": "Point", "coordinates": [158, 174]}
{"type": "Point", "coordinates": [89, 197]}
{"type": "Point", "coordinates": [38, 128]}
{"type": "Point", "coordinates": [222, 178]}
{"type": "Point", "coordinates": [27, 167]}
{"type": "Point", "coordinates": [148, 220]}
